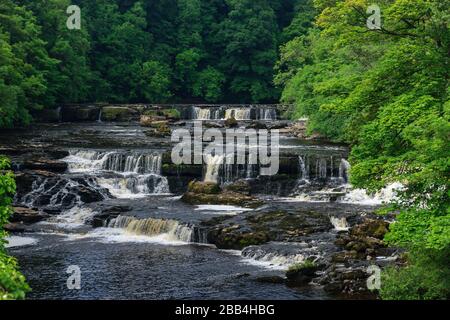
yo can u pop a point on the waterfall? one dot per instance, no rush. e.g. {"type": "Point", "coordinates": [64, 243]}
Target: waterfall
{"type": "Point", "coordinates": [340, 224]}
{"type": "Point", "coordinates": [202, 113]}
{"type": "Point", "coordinates": [89, 161]}
{"type": "Point", "coordinates": [344, 168]}
{"type": "Point", "coordinates": [206, 113]}
{"type": "Point", "coordinates": [135, 186]}
{"type": "Point", "coordinates": [281, 255]}
{"type": "Point", "coordinates": [153, 227]}
{"type": "Point", "coordinates": [321, 168]}
{"type": "Point", "coordinates": [238, 113]}
{"type": "Point", "coordinates": [63, 193]}
{"type": "Point", "coordinates": [302, 168]}
{"type": "Point", "coordinates": [213, 165]}
{"type": "Point", "coordinates": [267, 114]}
{"type": "Point", "coordinates": [125, 175]}
{"type": "Point", "coordinates": [99, 120]}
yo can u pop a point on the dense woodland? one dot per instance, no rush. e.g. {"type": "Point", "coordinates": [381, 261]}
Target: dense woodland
{"type": "Point", "coordinates": [384, 92]}
{"type": "Point", "coordinates": [142, 51]}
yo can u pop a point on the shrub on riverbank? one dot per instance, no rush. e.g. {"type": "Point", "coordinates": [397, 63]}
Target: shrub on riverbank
{"type": "Point", "coordinates": [12, 282]}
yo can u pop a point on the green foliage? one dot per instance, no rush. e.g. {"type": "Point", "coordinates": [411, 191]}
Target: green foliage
{"type": "Point", "coordinates": [386, 93]}
{"type": "Point", "coordinates": [12, 283]}
{"type": "Point", "coordinates": [296, 267]}
{"type": "Point", "coordinates": [427, 277]}
{"type": "Point", "coordinates": [142, 51]}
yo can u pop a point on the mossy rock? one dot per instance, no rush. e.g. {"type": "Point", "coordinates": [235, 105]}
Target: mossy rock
{"type": "Point", "coordinates": [236, 239]}
{"type": "Point", "coordinates": [370, 228]}
{"type": "Point", "coordinates": [301, 274]}
{"type": "Point", "coordinates": [118, 113]}
{"type": "Point", "coordinates": [231, 122]}
{"type": "Point", "coordinates": [199, 187]}
{"type": "Point", "coordinates": [223, 198]}
{"type": "Point", "coordinates": [172, 114]}
{"type": "Point", "coordinates": [151, 121]}
{"type": "Point", "coordinates": [240, 186]}
{"type": "Point", "coordinates": [159, 131]}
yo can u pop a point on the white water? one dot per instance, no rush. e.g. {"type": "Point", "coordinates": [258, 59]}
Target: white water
{"type": "Point", "coordinates": [344, 169]}
{"type": "Point", "coordinates": [89, 161]}
{"type": "Point", "coordinates": [170, 230]}
{"type": "Point", "coordinates": [116, 235]}
{"type": "Point", "coordinates": [133, 187]}
{"type": "Point", "coordinates": [139, 174]}
{"type": "Point", "coordinates": [71, 219]}
{"type": "Point", "coordinates": [238, 113]}
{"type": "Point", "coordinates": [339, 224]}
{"type": "Point", "coordinates": [202, 113]}
{"type": "Point", "coordinates": [221, 209]}
{"type": "Point", "coordinates": [16, 241]}
{"type": "Point", "coordinates": [213, 165]}
{"type": "Point", "coordinates": [384, 196]}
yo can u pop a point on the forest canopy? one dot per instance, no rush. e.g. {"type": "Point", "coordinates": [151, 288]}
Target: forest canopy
{"type": "Point", "coordinates": [141, 51]}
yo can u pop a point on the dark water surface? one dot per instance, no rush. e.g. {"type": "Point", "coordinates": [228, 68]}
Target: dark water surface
{"type": "Point", "coordinates": [131, 270]}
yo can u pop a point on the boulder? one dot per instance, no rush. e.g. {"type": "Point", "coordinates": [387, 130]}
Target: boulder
{"type": "Point", "coordinates": [370, 228]}
{"type": "Point", "coordinates": [223, 198]}
{"type": "Point", "coordinates": [118, 113]}
{"type": "Point", "coordinates": [26, 215]}
{"type": "Point", "coordinates": [46, 165]}
{"type": "Point", "coordinates": [258, 125]}
{"type": "Point", "coordinates": [212, 124]}
{"type": "Point", "coordinates": [199, 187]}
{"type": "Point", "coordinates": [103, 218]}
{"type": "Point", "coordinates": [241, 186]}
{"type": "Point", "coordinates": [150, 121]}
{"type": "Point", "coordinates": [159, 130]}
{"type": "Point", "coordinates": [231, 122]}
{"type": "Point", "coordinates": [301, 274]}
{"type": "Point", "coordinates": [15, 227]}
{"type": "Point", "coordinates": [271, 279]}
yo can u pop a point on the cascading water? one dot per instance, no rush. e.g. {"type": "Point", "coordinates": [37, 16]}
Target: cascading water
{"type": "Point", "coordinates": [304, 175]}
{"type": "Point", "coordinates": [123, 174]}
{"type": "Point", "coordinates": [154, 227]}
{"type": "Point", "coordinates": [339, 224]}
{"type": "Point", "coordinates": [344, 169]}
{"type": "Point", "coordinates": [281, 255]}
{"type": "Point", "coordinates": [219, 171]}
{"type": "Point", "coordinates": [321, 168]}
{"type": "Point", "coordinates": [213, 166]}
{"type": "Point", "coordinates": [238, 113]}
{"type": "Point", "coordinates": [63, 193]}
{"type": "Point", "coordinates": [267, 114]}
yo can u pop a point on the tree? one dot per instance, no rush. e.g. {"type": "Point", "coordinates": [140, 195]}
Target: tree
{"type": "Point", "coordinates": [12, 282]}
{"type": "Point", "coordinates": [250, 49]}
{"type": "Point", "coordinates": [385, 92]}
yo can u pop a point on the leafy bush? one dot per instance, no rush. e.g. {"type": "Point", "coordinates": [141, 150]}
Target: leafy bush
{"type": "Point", "coordinates": [427, 276]}
{"type": "Point", "coordinates": [296, 267]}
{"type": "Point", "coordinates": [12, 282]}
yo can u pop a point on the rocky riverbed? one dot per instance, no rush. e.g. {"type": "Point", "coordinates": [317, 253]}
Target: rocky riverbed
{"type": "Point", "coordinates": [100, 191]}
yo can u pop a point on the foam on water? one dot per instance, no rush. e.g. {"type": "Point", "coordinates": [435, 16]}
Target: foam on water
{"type": "Point", "coordinates": [340, 224]}
{"type": "Point", "coordinates": [221, 208]}
{"type": "Point", "coordinates": [117, 235]}
{"type": "Point", "coordinates": [16, 241]}
{"type": "Point", "coordinates": [385, 195]}
{"type": "Point", "coordinates": [71, 219]}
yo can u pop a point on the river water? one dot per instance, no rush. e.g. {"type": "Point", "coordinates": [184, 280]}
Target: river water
{"type": "Point", "coordinates": [154, 247]}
